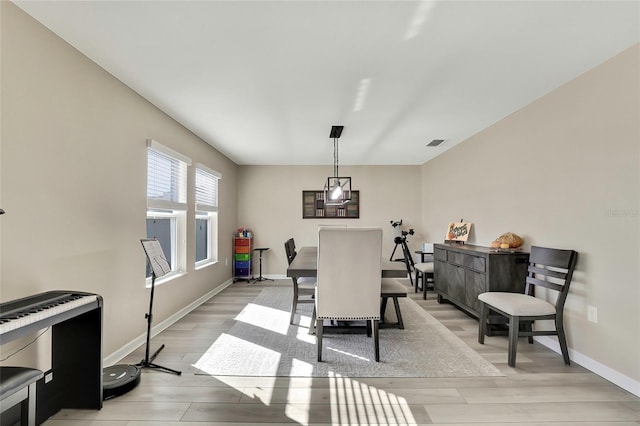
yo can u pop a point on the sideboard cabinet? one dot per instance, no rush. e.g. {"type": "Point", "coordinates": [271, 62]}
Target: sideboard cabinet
{"type": "Point", "coordinates": [462, 272]}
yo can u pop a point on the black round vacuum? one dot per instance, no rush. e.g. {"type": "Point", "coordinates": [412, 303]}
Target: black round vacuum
{"type": "Point", "coordinates": [119, 379]}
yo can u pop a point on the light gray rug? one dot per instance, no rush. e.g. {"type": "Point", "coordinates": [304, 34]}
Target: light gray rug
{"type": "Point", "coordinates": [263, 343]}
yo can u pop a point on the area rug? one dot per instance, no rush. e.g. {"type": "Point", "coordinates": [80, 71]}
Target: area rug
{"type": "Point", "coordinates": [263, 343]}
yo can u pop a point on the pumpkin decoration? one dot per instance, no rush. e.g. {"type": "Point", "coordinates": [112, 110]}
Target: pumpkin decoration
{"type": "Point", "coordinates": [507, 240]}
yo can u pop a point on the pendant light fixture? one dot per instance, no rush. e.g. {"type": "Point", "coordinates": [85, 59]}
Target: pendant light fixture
{"type": "Point", "coordinates": [337, 189]}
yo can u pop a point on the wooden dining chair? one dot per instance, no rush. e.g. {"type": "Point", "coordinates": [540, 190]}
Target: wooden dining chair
{"type": "Point", "coordinates": [304, 287]}
{"type": "Point", "coordinates": [549, 268]}
{"type": "Point", "coordinates": [424, 271]}
{"type": "Point", "coordinates": [290, 249]}
{"type": "Point", "coordinates": [349, 279]}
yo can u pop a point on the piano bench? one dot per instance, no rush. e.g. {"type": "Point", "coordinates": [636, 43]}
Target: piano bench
{"type": "Point", "coordinates": [18, 386]}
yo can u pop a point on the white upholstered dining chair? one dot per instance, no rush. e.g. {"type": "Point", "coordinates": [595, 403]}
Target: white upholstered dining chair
{"type": "Point", "coordinates": [349, 278]}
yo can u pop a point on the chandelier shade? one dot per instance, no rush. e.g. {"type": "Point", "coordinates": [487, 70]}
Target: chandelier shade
{"type": "Point", "coordinates": [337, 190]}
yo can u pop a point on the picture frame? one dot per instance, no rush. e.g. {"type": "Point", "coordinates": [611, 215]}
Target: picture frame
{"type": "Point", "coordinates": [314, 207]}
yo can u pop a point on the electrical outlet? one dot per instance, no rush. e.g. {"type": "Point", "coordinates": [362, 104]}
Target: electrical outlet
{"type": "Point", "coordinates": [226, 261]}
{"type": "Point", "coordinates": [48, 377]}
{"type": "Point", "coordinates": [592, 314]}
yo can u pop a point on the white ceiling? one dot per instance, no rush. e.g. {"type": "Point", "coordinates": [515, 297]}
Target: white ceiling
{"type": "Point", "coordinates": [263, 81]}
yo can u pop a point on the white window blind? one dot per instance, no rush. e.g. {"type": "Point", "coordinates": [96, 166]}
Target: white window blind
{"type": "Point", "coordinates": [206, 189]}
{"type": "Point", "coordinates": [166, 177]}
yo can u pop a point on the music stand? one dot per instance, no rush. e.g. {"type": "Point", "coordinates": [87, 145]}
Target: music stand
{"type": "Point", "coordinates": [260, 277]}
{"type": "Point", "coordinates": [159, 268]}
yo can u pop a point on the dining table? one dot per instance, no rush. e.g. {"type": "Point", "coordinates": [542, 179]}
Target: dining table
{"type": "Point", "coordinates": [305, 264]}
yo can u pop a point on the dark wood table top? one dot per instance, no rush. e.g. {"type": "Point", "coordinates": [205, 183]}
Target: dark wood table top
{"type": "Point", "coordinates": [305, 264]}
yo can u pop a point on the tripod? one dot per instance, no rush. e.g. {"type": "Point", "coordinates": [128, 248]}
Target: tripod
{"type": "Point", "coordinates": [148, 360]}
{"type": "Point", "coordinates": [407, 258]}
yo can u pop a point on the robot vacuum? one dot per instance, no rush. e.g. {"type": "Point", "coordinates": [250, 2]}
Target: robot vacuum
{"type": "Point", "coordinates": [119, 379]}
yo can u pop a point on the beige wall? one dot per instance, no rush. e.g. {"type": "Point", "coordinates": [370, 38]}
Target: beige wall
{"type": "Point", "coordinates": [563, 172]}
{"type": "Point", "coordinates": [73, 183]}
{"type": "Point", "coordinates": [270, 203]}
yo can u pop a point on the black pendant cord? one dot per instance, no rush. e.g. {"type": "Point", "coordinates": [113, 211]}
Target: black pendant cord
{"type": "Point", "coordinates": [335, 157]}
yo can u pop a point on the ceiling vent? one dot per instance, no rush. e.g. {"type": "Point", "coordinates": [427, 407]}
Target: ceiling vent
{"type": "Point", "coordinates": [435, 142]}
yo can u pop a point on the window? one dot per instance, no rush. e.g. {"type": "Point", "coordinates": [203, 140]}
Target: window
{"type": "Point", "coordinates": [162, 226]}
{"type": "Point", "coordinates": [206, 194]}
{"type": "Point", "coordinates": [167, 203]}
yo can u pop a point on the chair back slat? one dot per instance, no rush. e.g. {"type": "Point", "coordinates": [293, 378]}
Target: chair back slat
{"type": "Point", "coordinates": [560, 274]}
{"type": "Point", "coordinates": [543, 283]}
{"type": "Point", "coordinates": [550, 257]}
{"type": "Point", "coordinates": [551, 268]}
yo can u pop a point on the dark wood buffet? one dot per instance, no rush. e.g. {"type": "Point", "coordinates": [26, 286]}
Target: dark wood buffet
{"type": "Point", "coordinates": [463, 271]}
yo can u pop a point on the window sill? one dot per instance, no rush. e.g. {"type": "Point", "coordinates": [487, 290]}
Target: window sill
{"type": "Point", "coordinates": [205, 263]}
{"type": "Point", "coordinates": [169, 277]}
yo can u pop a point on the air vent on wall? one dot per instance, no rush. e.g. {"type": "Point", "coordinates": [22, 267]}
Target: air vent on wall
{"type": "Point", "coordinates": [435, 142]}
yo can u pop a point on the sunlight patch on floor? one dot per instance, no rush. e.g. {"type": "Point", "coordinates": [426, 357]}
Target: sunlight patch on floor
{"type": "Point", "coordinates": [353, 402]}
{"type": "Point", "coordinates": [268, 358]}
{"type": "Point", "coordinates": [329, 348]}
{"type": "Point", "coordinates": [271, 319]}
{"type": "Point", "coordinates": [263, 392]}
{"type": "Point", "coordinates": [302, 334]}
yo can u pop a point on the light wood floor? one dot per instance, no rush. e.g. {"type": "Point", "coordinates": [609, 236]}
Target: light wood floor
{"type": "Point", "coordinates": [541, 390]}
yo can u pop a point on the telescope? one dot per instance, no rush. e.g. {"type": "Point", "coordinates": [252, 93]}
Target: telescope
{"type": "Point", "coordinates": [409, 232]}
{"type": "Point", "coordinates": [401, 240]}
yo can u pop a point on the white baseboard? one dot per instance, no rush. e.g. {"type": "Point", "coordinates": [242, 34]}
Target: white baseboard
{"type": "Point", "coordinates": [615, 377]}
{"type": "Point", "coordinates": [155, 329]}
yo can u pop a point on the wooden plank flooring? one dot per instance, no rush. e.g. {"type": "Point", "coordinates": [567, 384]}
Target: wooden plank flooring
{"type": "Point", "coordinates": [541, 390]}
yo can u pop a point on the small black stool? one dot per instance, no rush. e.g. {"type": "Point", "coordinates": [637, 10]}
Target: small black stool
{"type": "Point", "coordinates": [18, 386]}
{"type": "Point", "coordinates": [260, 277]}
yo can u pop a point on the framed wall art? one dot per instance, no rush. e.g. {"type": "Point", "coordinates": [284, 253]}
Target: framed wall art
{"type": "Point", "coordinates": [314, 207]}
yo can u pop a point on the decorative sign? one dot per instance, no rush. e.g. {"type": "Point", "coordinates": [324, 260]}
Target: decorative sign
{"type": "Point", "coordinates": [458, 231]}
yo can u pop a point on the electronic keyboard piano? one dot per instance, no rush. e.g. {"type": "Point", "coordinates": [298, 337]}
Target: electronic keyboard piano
{"type": "Point", "coordinates": [23, 316]}
{"type": "Point", "coordinates": [75, 318]}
